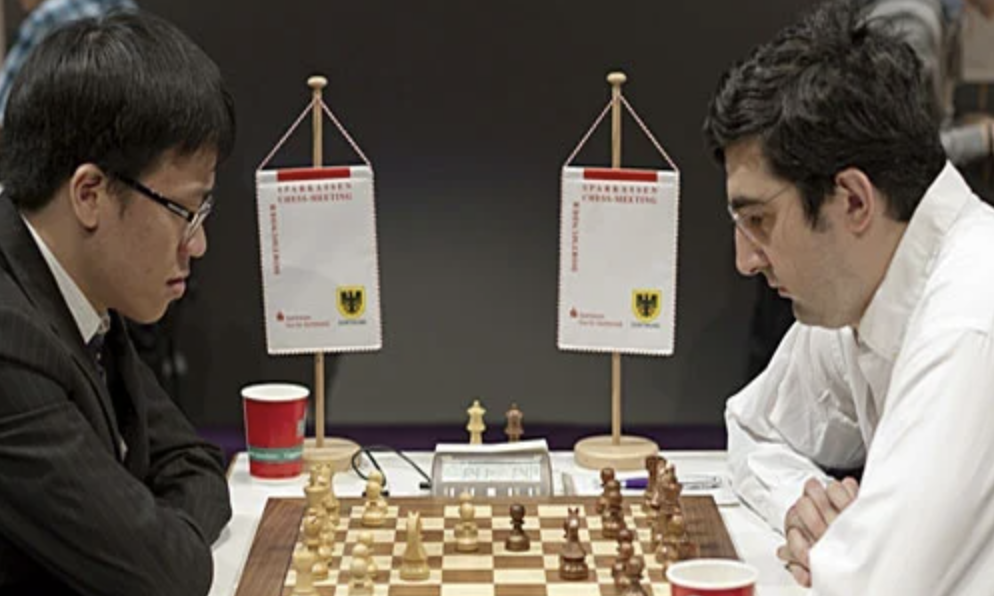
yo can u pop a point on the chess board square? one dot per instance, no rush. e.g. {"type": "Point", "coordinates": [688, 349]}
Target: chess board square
{"type": "Point", "coordinates": [461, 561]}
{"type": "Point", "coordinates": [519, 576]}
{"type": "Point", "coordinates": [432, 523]}
{"type": "Point", "coordinates": [522, 561]}
{"type": "Point", "coordinates": [467, 590]}
{"type": "Point", "coordinates": [603, 575]}
{"type": "Point", "coordinates": [550, 562]}
{"type": "Point", "coordinates": [594, 522]}
{"type": "Point", "coordinates": [409, 589]}
{"type": "Point", "coordinates": [467, 576]}
{"type": "Point", "coordinates": [574, 589]}
{"type": "Point", "coordinates": [598, 547]}
{"type": "Point", "coordinates": [555, 511]}
{"type": "Point", "coordinates": [521, 590]}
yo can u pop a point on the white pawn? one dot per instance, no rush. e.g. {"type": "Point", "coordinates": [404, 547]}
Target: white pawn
{"type": "Point", "coordinates": [466, 530]}
{"type": "Point", "coordinates": [303, 564]}
{"type": "Point", "coordinates": [375, 512]}
{"type": "Point", "coordinates": [366, 538]}
{"type": "Point", "coordinates": [360, 583]}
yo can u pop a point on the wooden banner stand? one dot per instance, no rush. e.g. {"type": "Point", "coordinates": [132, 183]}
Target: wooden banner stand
{"type": "Point", "coordinates": [335, 452]}
{"type": "Point", "coordinates": [615, 451]}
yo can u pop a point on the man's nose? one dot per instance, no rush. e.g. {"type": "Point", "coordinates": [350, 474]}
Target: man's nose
{"type": "Point", "coordinates": [749, 258]}
{"type": "Point", "coordinates": [196, 246]}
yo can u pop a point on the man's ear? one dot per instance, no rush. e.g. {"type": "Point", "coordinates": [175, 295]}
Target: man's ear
{"type": "Point", "coordinates": [861, 202]}
{"type": "Point", "coordinates": [89, 195]}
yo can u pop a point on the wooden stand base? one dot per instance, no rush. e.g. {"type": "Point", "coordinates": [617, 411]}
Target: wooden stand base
{"type": "Point", "coordinates": [600, 452]}
{"type": "Point", "coordinates": [336, 452]}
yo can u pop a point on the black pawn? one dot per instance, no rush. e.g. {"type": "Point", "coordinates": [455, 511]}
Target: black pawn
{"type": "Point", "coordinates": [517, 540]}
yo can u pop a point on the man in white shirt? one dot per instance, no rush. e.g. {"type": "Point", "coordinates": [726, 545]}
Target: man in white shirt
{"type": "Point", "coordinates": [843, 200]}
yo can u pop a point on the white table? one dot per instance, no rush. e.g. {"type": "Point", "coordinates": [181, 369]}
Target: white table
{"type": "Point", "coordinates": [754, 541]}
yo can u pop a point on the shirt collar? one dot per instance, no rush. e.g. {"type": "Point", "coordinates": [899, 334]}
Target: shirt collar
{"type": "Point", "coordinates": [87, 319]}
{"type": "Point", "coordinates": [883, 325]}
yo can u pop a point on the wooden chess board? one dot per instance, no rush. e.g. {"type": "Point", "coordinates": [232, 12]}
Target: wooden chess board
{"type": "Point", "coordinates": [492, 570]}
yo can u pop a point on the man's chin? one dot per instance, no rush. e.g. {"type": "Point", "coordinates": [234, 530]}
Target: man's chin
{"type": "Point", "coordinates": [805, 316]}
{"type": "Point", "coordinates": [145, 316]}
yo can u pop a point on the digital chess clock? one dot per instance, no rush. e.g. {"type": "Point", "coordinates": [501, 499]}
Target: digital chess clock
{"type": "Point", "coordinates": [521, 468]}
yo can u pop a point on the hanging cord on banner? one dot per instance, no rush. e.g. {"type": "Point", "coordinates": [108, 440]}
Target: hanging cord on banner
{"type": "Point", "coordinates": [645, 129]}
{"type": "Point", "coordinates": [635, 116]}
{"type": "Point", "coordinates": [345, 133]}
{"type": "Point", "coordinates": [293, 127]}
{"type": "Point", "coordinates": [590, 131]}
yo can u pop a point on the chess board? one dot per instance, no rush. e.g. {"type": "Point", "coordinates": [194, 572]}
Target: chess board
{"type": "Point", "coordinates": [492, 570]}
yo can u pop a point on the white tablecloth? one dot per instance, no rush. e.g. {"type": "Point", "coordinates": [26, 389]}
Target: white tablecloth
{"type": "Point", "coordinates": [754, 541]}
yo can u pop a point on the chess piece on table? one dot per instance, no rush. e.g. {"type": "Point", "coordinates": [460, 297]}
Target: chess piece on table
{"type": "Point", "coordinates": [476, 427]}
{"type": "Point", "coordinates": [360, 583]}
{"type": "Point", "coordinates": [607, 475]}
{"type": "Point", "coordinates": [312, 526]}
{"type": "Point", "coordinates": [326, 476]}
{"type": "Point", "coordinates": [303, 565]}
{"type": "Point", "coordinates": [366, 538]}
{"type": "Point", "coordinates": [514, 428]}
{"type": "Point", "coordinates": [612, 519]}
{"type": "Point", "coordinates": [626, 550]}
{"type": "Point", "coordinates": [517, 541]}
{"type": "Point", "coordinates": [316, 492]}
{"type": "Point", "coordinates": [414, 565]}
{"type": "Point", "coordinates": [466, 531]}
{"type": "Point", "coordinates": [375, 512]}
{"type": "Point", "coordinates": [572, 557]}
{"type": "Point", "coordinates": [632, 586]}
{"type": "Point", "coordinates": [652, 465]}
{"type": "Point", "coordinates": [678, 539]}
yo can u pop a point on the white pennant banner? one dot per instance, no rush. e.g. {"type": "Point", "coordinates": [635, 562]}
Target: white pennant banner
{"type": "Point", "coordinates": [320, 272]}
{"type": "Point", "coordinates": [618, 260]}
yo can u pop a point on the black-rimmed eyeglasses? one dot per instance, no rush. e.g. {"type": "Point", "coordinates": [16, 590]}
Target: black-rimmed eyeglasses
{"type": "Point", "coordinates": [194, 219]}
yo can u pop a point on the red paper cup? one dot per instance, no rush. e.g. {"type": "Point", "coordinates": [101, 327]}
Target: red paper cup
{"type": "Point", "coordinates": [274, 429]}
{"type": "Point", "coordinates": [712, 577]}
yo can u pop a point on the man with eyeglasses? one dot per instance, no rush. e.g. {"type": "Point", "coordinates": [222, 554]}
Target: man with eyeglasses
{"type": "Point", "coordinates": [112, 135]}
{"type": "Point", "coordinates": [842, 198]}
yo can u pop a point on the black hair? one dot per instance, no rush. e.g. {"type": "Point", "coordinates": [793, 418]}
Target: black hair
{"type": "Point", "coordinates": [117, 91]}
{"type": "Point", "coordinates": [830, 93]}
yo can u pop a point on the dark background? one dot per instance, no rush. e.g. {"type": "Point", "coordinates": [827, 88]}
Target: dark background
{"type": "Point", "coordinates": [467, 111]}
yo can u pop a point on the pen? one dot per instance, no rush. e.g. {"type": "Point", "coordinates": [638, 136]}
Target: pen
{"type": "Point", "coordinates": [695, 483]}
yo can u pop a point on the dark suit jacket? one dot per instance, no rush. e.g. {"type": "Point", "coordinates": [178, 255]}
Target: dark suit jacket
{"type": "Point", "coordinates": [74, 517]}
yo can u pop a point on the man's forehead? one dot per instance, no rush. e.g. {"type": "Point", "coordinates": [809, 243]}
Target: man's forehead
{"type": "Point", "coordinates": [746, 157]}
{"type": "Point", "coordinates": [748, 178]}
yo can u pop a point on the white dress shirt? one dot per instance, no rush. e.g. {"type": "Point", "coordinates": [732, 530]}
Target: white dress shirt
{"type": "Point", "coordinates": [87, 319]}
{"type": "Point", "coordinates": [912, 398]}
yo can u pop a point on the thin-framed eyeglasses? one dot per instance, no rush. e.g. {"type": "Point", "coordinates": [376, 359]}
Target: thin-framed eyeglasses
{"type": "Point", "coordinates": [753, 224]}
{"type": "Point", "coordinates": [194, 219]}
